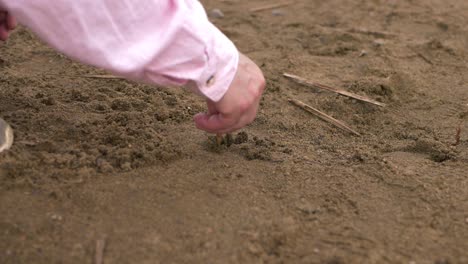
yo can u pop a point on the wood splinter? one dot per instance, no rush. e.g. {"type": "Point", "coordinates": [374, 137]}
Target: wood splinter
{"type": "Point", "coordinates": [308, 83]}
{"type": "Point", "coordinates": [323, 116]}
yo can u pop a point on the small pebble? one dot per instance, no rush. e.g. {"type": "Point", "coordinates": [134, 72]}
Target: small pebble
{"type": "Point", "coordinates": [277, 12]}
{"type": "Point", "coordinates": [126, 166]}
{"type": "Point", "coordinates": [363, 53]}
{"type": "Point", "coordinates": [216, 13]}
{"type": "Point", "coordinates": [56, 217]}
{"type": "Point", "coordinates": [253, 249]}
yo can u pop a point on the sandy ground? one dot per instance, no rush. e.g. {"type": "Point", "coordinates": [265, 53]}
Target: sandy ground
{"type": "Point", "coordinates": [98, 159]}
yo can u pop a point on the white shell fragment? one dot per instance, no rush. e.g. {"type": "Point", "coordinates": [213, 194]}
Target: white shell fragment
{"type": "Point", "coordinates": [6, 135]}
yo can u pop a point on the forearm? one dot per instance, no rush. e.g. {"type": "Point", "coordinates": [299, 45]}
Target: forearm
{"type": "Point", "coordinates": [154, 41]}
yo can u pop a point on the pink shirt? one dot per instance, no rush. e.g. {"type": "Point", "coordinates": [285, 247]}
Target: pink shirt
{"type": "Point", "coordinates": [169, 42]}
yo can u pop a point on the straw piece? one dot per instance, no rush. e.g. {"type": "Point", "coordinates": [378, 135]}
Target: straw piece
{"type": "Point", "coordinates": [308, 83]}
{"type": "Point", "coordinates": [270, 6]}
{"type": "Point", "coordinates": [100, 246]}
{"type": "Point", "coordinates": [457, 135]}
{"type": "Point", "coordinates": [112, 77]}
{"type": "Point", "coordinates": [219, 139]}
{"type": "Point", "coordinates": [323, 116]}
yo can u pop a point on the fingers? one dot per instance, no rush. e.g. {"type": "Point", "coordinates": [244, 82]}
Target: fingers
{"type": "Point", "coordinates": [213, 121]}
{"type": "Point", "coordinates": [7, 23]}
{"type": "Point", "coordinates": [217, 123]}
{"type": "Point", "coordinates": [11, 22]}
{"type": "Point", "coordinates": [4, 33]}
{"type": "Point", "coordinates": [221, 123]}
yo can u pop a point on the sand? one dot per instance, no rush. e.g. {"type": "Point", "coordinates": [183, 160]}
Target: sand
{"type": "Point", "coordinates": [98, 159]}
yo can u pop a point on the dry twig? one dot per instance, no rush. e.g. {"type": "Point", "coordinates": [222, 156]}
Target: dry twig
{"type": "Point", "coordinates": [420, 55]}
{"type": "Point", "coordinates": [308, 83]}
{"type": "Point", "coordinates": [100, 246]}
{"type": "Point", "coordinates": [270, 6]}
{"type": "Point", "coordinates": [323, 116]}
{"type": "Point", "coordinates": [424, 58]}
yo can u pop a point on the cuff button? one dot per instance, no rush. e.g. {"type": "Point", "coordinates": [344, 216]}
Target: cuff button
{"type": "Point", "coordinates": [211, 81]}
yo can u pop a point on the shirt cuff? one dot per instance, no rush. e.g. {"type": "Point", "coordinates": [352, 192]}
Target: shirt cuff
{"type": "Point", "coordinates": [222, 62]}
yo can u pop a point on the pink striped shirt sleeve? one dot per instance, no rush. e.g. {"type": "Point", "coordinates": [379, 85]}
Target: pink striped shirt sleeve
{"type": "Point", "coordinates": [168, 42]}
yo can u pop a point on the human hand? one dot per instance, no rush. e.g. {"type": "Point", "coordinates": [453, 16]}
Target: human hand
{"type": "Point", "coordinates": [7, 23]}
{"type": "Point", "coordinates": [239, 105]}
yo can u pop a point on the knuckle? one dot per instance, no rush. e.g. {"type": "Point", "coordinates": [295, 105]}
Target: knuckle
{"type": "Point", "coordinates": [245, 105]}
{"type": "Point", "coordinates": [249, 119]}
{"type": "Point", "coordinates": [261, 82]}
{"type": "Point", "coordinates": [259, 88]}
{"type": "Point", "coordinates": [258, 92]}
{"type": "Point", "coordinates": [254, 93]}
